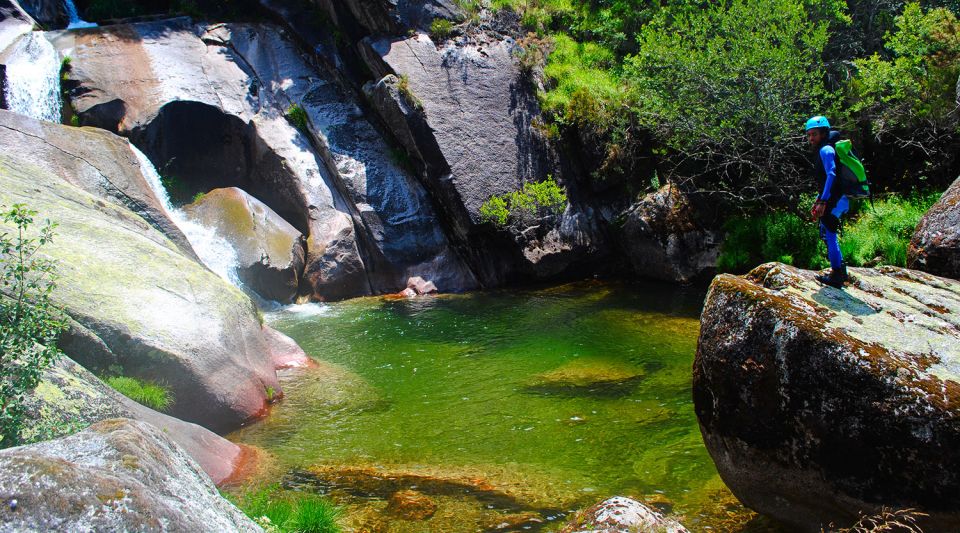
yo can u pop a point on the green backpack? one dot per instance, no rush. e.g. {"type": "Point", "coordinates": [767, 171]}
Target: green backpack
{"type": "Point", "coordinates": [853, 177]}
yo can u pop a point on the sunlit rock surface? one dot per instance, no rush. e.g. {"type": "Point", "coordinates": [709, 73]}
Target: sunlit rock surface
{"type": "Point", "coordinates": [817, 403]}
{"type": "Point", "coordinates": [207, 104]}
{"type": "Point", "coordinates": [270, 252]}
{"type": "Point", "coordinates": [70, 398]}
{"type": "Point", "coordinates": [145, 307]}
{"type": "Point", "coordinates": [622, 515]}
{"type": "Point", "coordinates": [118, 475]}
{"type": "Point", "coordinates": [935, 246]}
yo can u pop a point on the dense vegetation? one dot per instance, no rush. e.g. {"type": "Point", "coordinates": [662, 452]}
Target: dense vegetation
{"type": "Point", "coordinates": [877, 234]}
{"type": "Point", "coordinates": [29, 321]}
{"type": "Point", "coordinates": [724, 87]}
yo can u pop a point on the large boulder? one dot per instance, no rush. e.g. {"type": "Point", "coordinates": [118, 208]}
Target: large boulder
{"type": "Point", "coordinates": [270, 252]}
{"type": "Point", "coordinates": [51, 13]}
{"type": "Point", "coordinates": [95, 160]}
{"type": "Point", "coordinates": [118, 475]}
{"type": "Point", "coordinates": [464, 109]}
{"type": "Point", "coordinates": [663, 240]}
{"type": "Point", "coordinates": [207, 105]}
{"type": "Point", "coordinates": [817, 403]}
{"type": "Point", "coordinates": [141, 305]}
{"type": "Point", "coordinates": [70, 398]}
{"type": "Point", "coordinates": [935, 247]}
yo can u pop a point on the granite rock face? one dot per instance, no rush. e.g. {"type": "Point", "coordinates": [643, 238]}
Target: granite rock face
{"type": "Point", "coordinates": [207, 104]}
{"type": "Point", "coordinates": [662, 239]}
{"type": "Point", "coordinates": [70, 398]}
{"type": "Point", "coordinates": [117, 475]}
{"type": "Point", "coordinates": [623, 515]}
{"type": "Point", "coordinates": [138, 303]}
{"type": "Point", "coordinates": [817, 403]}
{"type": "Point", "coordinates": [935, 247]}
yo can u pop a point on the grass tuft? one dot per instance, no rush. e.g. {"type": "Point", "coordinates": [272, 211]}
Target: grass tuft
{"type": "Point", "coordinates": [150, 394]}
{"type": "Point", "coordinates": [288, 511]}
{"type": "Point", "coordinates": [298, 117]}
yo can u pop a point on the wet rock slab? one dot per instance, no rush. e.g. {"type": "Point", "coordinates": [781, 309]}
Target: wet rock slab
{"type": "Point", "coordinates": [816, 403]}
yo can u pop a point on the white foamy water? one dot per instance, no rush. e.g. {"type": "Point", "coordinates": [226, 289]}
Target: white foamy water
{"type": "Point", "coordinates": [215, 251]}
{"type": "Point", "coordinates": [32, 85]}
{"type": "Point", "coordinates": [75, 21]}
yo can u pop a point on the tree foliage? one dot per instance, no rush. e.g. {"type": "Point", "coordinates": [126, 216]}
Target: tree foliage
{"type": "Point", "coordinates": [29, 321]}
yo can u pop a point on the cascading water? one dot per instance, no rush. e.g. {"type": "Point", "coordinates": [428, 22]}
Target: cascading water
{"type": "Point", "coordinates": [215, 252]}
{"type": "Point", "coordinates": [32, 85]}
{"type": "Point", "coordinates": [75, 21]}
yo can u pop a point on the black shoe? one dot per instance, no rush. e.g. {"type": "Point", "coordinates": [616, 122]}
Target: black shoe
{"type": "Point", "coordinates": [837, 277]}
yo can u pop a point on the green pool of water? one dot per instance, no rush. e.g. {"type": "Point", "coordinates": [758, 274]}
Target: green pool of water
{"type": "Point", "coordinates": [557, 398]}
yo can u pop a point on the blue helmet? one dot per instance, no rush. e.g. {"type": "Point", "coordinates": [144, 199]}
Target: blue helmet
{"type": "Point", "coordinates": [818, 121]}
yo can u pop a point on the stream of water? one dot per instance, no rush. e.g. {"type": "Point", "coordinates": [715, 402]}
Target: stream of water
{"type": "Point", "coordinates": [32, 85]}
{"type": "Point", "coordinates": [215, 251]}
{"type": "Point", "coordinates": [506, 408]}
{"type": "Point", "coordinates": [74, 16]}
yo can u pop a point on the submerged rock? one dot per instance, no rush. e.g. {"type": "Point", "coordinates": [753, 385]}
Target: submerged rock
{"type": "Point", "coordinates": [588, 376]}
{"type": "Point", "coordinates": [622, 515]}
{"type": "Point", "coordinates": [138, 303]}
{"type": "Point", "coordinates": [270, 252]}
{"type": "Point", "coordinates": [117, 475]}
{"type": "Point", "coordinates": [411, 505]}
{"type": "Point", "coordinates": [70, 398]}
{"type": "Point", "coordinates": [817, 403]}
{"type": "Point", "coordinates": [662, 239]}
{"type": "Point", "coordinates": [935, 247]}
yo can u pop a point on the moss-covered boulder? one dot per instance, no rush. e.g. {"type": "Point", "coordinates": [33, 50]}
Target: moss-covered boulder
{"type": "Point", "coordinates": [935, 246]}
{"type": "Point", "coordinates": [817, 403]}
{"type": "Point", "coordinates": [270, 252]}
{"type": "Point", "coordinates": [141, 305]}
{"type": "Point", "coordinates": [70, 398]}
{"type": "Point", "coordinates": [117, 475]}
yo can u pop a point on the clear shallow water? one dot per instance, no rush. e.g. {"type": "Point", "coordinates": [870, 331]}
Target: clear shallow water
{"type": "Point", "coordinates": [558, 398]}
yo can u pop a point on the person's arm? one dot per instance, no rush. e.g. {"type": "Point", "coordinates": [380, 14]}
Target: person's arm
{"type": "Point", "coordinates": [829, 157]}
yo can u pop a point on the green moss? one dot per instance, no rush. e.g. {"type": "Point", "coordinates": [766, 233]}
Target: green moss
{"type": "Point", "coordinates": [150, 394]}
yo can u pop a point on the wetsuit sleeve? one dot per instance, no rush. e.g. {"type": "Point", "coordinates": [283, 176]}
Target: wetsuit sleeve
{"type": "Point", "coordinates": [829, 158]}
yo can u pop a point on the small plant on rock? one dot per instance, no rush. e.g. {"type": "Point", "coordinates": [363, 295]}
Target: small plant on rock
{"type": "Point", "coordinates": [276, 509]}
{"type": "Point", "coordinates": [535, 200]}
{"type": "Point", "coordinates": [298, 117]}
{"type": "Point", "coordinates": [29, 321]}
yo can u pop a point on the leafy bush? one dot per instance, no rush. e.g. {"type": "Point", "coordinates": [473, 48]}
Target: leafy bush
{"type": "Point", "coordinates": [533, 201]}
{"type": "Point", "coordinates": [440, 29]}
{"type": "Point", "coordinates": [728, 87]}
{"type": "Point", "coordinates": [282, 510]}
{"type": "Point", "coordinates": [298, 117]}
{"type": "Point", "coordinates": [881, 234]}
{"type": "Point", "coordinates": [29, 321]}
{"type": "Point", "coordinates": [917, 85]}
{"type": "Point", "coordinates": [143, 392]}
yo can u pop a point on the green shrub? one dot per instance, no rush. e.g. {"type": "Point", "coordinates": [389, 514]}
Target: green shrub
{"type": "Point", "coordinates": [288, 511]}
{"type": "Point", "coordinates": [199, 196]}
{"type": "Point", "coordinates": [880, 235]}
{"type": "Point", "coordinates": [29, 321]}
{"type": "Point", "coordinates": [440, 29]}
{"type": "Point", "coordinates": [534, 200]}
{"type": "Point", "coordinates": [298, 117]}
{"type": "Point", "coordinates": [150, 394]}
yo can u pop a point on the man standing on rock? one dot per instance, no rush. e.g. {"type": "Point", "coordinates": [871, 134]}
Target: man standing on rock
{"type": "Point", "coordinates": [831, 204]}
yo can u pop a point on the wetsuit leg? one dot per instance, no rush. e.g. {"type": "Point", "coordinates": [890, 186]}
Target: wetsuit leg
{"type": "Point", "coordinates": [829, 226]}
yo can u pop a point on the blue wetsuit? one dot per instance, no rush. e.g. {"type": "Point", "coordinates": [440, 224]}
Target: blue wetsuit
{"type": "Point", "coordinates": [837, 204]}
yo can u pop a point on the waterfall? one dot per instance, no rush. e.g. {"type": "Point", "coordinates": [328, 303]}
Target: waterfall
{"type": "Point", "coordinates": [215, 252]}
{"type": "Point", "coordinates": [32, 85]}
{"type": "Point", "coordinates": [75, 20]}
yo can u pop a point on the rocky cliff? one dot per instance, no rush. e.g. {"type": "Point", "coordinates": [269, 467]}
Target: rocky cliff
{"type": "Point", "coordinates": [935, 246]}
{"type": "Point", "coordinates": [817, 404]}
